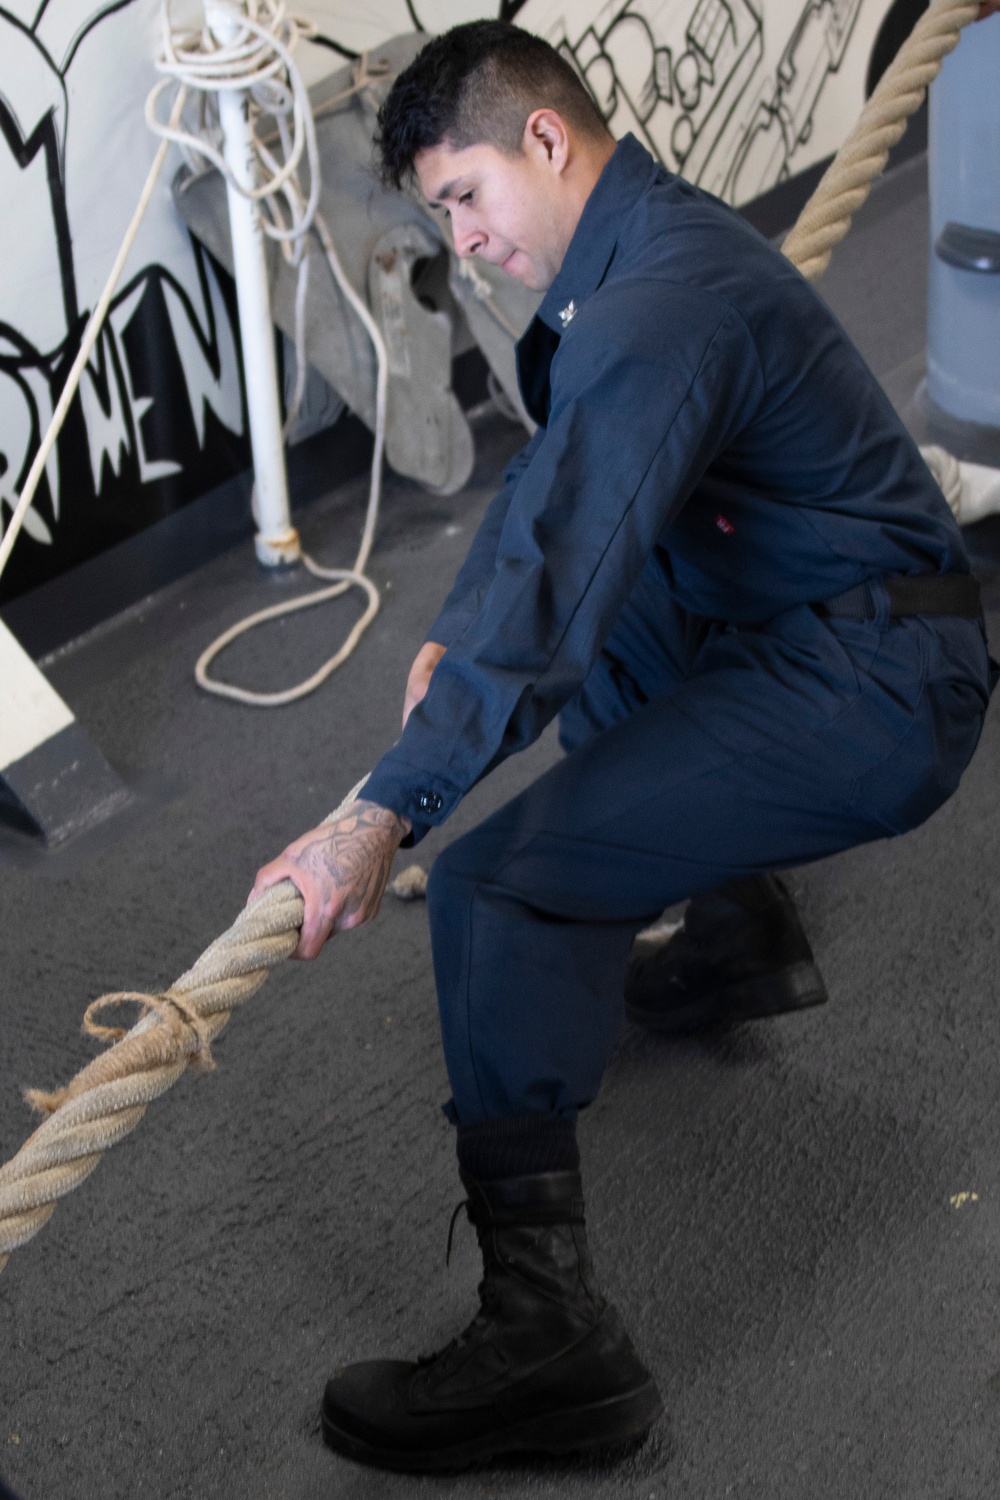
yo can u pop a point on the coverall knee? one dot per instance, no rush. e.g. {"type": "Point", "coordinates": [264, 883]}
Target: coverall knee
{"type": "Point", "coordinates": [696, 754]}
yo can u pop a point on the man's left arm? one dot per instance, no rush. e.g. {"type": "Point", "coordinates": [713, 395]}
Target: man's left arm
{"type": "Point", "coordinates": [645, 393]}
{"type": "Point", "coordinates": [649, 383]}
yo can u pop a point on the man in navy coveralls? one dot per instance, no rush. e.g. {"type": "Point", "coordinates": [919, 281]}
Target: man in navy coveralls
{"type": "Point", "coordinates": [723, 563]}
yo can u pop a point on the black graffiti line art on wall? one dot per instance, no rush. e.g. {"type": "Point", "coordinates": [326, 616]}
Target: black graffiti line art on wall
{"type": "Point", "coordinates": [724, 92]}
{"type": "Point", "coordinates": [159, 416]}
{"type": "Point", "coordinates": [698, 83]}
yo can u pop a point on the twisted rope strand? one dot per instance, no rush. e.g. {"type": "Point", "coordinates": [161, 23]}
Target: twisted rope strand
{"type": "Point", "coordinates": [845, 185]}
{"type": "Point", "coordinates": [106, 1100]}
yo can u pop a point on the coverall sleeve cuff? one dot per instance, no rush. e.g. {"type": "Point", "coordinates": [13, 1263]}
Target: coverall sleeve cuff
{"type": "Point", "coordinates": [411, 793]}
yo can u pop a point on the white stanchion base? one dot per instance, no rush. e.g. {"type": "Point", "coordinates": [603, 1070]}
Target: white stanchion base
{"type": "Point", "coordinates": [278, 552]}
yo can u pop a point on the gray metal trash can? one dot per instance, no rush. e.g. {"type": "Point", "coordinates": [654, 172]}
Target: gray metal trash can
{"type": "Point", "coordinates": [963, 340]}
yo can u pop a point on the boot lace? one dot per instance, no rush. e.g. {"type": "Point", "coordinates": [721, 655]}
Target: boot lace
{"type": "Point", "coordinates": [451, 1228]}
{"type": "Point", "coordinates": [487, 1294]}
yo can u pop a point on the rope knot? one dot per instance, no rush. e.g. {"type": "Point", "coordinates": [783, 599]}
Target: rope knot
{"type": "Point", "coordinates": [173, 1010]}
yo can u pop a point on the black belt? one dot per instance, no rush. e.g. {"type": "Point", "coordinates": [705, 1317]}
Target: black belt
{"type": "Point", "coordinates": [919, 594]}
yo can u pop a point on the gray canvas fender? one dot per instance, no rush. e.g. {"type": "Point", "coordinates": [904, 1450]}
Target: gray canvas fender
{"type": "Point", "coordinates": [497, 310]}
{"type": "Point", "coordinates": [427, 435]}
{"type": "Point", "coordinates": [436, 308]}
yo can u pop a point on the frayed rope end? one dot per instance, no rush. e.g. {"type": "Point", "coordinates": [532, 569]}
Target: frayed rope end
{"type": "Point", "coordinates": [42, 1102]}
{"type": "Point", "coordinates": [171, 1009]}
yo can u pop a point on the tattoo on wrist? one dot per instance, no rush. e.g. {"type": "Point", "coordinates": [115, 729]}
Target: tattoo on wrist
{"type": "Point", "coordinates": [356, 853]}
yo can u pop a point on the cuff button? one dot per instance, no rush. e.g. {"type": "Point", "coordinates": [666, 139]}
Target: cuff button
{"type": "Point", "coordinates": [430, 802]}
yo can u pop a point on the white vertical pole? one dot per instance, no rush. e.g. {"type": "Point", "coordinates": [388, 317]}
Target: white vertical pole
{"type": "Point", "coordinates": [277, 540]}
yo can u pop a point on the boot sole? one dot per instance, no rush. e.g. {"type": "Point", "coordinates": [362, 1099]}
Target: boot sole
{"type": "Point", "coordinates": [798, 987]}
{"type": "Point", "coordinates": [603, 1424]}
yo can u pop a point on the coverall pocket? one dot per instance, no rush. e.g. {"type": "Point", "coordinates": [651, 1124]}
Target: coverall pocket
{"type": "Point", "coordinates": [916, 778]}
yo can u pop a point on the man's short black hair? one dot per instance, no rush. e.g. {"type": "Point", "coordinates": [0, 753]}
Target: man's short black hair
{"type": "Point", "coordinates": [476, 84]}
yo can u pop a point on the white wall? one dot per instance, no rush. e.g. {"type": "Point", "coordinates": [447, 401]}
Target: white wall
{"type": "Point", "coordinates": [735, 93]}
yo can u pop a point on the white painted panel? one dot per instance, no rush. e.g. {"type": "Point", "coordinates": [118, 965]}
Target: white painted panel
{"type": "Point", "coordinates": [736, 95]}
{"type": "Point", "coordinates": [31, 711]}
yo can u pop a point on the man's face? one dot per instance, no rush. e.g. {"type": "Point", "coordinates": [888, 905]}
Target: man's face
{"type": "Point", "coordinates": [508, 210]}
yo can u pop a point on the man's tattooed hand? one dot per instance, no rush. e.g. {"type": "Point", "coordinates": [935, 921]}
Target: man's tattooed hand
{"type": "Point", "coordinates": [341, 869]}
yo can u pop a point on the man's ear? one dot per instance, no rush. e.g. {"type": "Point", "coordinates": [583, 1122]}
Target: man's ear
{"type": "Point", "coordinates": [545, 132]}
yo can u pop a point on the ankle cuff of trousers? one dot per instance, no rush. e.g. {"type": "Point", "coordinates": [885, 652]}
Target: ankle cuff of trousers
{"type": "Point", "coordinates": [518, 1147]}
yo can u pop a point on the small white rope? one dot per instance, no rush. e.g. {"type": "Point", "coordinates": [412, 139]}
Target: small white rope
{"type": "Point", "coordinates": [260, 62]}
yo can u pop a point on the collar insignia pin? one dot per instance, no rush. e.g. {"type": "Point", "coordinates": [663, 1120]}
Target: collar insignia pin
{"type": "Point", "coordinates": [568, 313]}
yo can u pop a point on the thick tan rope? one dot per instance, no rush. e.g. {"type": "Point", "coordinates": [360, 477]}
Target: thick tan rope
{"type": "Point", "coordinates": [845, 185]}
{"type": "Point", "coordinates": [108, 1098]}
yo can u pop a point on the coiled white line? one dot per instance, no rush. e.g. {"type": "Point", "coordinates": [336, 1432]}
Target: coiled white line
{"type": "Point", "coordinates": [259, 61]}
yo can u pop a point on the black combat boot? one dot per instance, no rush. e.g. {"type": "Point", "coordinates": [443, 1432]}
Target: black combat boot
{"type": "Point", "coordinates": [545, 1366]}
{"type": "Point", "coordinates": [740, 954]}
